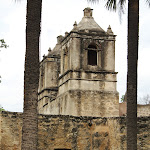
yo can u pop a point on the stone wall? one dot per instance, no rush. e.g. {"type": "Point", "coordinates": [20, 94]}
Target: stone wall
{"type": "Point", "coordinates": [142, 110]}
{"type": "Point", "coordinates": [123, 109]}
{"type": "Point", "coordinates": [84, 103]}
{"type": "Point", "coordinates": [75, 133]}
{"type": "Point", "coordinates": [10, 130]}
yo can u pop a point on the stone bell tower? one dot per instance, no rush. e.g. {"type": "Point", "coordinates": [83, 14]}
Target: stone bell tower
{"type": "Point", "coordinates": [87, 81]}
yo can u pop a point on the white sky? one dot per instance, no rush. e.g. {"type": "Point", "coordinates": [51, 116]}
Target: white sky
{"type": "Point", "coordinates": [57, 18]}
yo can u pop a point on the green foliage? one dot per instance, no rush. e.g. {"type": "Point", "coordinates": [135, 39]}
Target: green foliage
{"type": "Point", "coordinates": [114, 5]}
{"type": "Point", "coordinates": [3, 44]}
{"type": "Point", "coordinates": [122, 98]}
{"type": "Point", "coordinates": [1, 108]}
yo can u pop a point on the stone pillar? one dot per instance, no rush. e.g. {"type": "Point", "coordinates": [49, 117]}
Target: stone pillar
{"type": "Point", "coordinates": [109, 51]}
{"type": "Point", "coordinates": [51, 73]}
{"type": "Point", "coordinates": [59, 39]}
{"type": "Point", "coordinates": [75, 54]}
{"type": "Point", "coordinates": [109, 55]}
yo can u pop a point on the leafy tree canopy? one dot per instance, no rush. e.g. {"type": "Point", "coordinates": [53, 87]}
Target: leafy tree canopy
{"type": "Point", "coordinates": [3, 44]}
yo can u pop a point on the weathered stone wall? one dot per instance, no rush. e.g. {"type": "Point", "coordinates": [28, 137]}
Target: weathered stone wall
{"type": "Point", "coordinates": [142, 110]}
{"type": "Point", "coordinates": [85, 103]}
{"type": "Point", "coordinates": [75, 133]}
{"type": "Point", "coordinates": [45, 97]}
{"type": "Point", "coordinates": [10, 130]}
{"type": "Point", "coordinates": [87, 80]}
{"type": "Point", "coordinates": [49, 71]}
{"type": "Point", "coordinates": [123, 109]}
{"type": "Point", "coordinates": [48, 80]}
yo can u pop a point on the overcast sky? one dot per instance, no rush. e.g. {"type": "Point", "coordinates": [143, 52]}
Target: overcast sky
{"type": "Point", "coordinates": [57, 18]}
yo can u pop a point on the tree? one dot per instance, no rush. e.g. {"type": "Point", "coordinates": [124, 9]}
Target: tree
{"type": "Point", "coordinates": [3, 44]}
{"type": "Point", "coordinates": [31, 75]}
{"type": "Point", "coordinates": [122, 98]}
{"type": "Point", "coordinates": [146, 99]}
{"type": "Point", "coordinates": [133, 38]}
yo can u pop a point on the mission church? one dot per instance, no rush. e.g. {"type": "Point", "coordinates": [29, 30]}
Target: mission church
{"type": "Point", "coordinates": [78, 76]}
{"type": "Point", "coordinates": [78, 103]}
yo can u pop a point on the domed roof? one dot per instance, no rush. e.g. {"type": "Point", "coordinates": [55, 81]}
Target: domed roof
{"type": "Point", "coordinates": [88, 22]}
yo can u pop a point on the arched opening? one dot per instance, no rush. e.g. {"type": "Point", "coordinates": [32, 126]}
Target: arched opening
{"type": "Point", "coordinates": [92, 55]}
{"type": "Point", "coordinates": [92, 46]}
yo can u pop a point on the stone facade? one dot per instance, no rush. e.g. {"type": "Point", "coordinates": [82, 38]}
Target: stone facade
{"type": "Point", "coordinates": [142, 110]}
{"type": "Point", "coordinates": [73, 133]}
{"type": "Point", "coordinates": [10, 131]}
{"type": "Point", "coordinates": [78, 76]}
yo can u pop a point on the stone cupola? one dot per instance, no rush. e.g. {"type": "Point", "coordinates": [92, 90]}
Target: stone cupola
{"type": "Point", "coordinates": [88, 23]}
{"type": "Point", "coordinates": [88, 12]}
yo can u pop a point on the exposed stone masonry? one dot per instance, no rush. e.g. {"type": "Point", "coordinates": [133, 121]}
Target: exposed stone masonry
{"type": "Point", "coordinates": [75, 133]}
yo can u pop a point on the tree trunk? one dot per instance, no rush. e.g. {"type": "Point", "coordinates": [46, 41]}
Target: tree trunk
{"type": "Point", "coordinates": [31, 75]}
{"type": "Point", "coordinates": [133, 36]}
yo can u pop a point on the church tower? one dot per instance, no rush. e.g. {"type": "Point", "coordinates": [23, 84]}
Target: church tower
{"type": "Point", "coordinates": [87, 78]}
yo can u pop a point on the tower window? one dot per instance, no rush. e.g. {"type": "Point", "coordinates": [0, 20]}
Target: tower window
{"type": "Point", "coordinates": [92, 55]}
